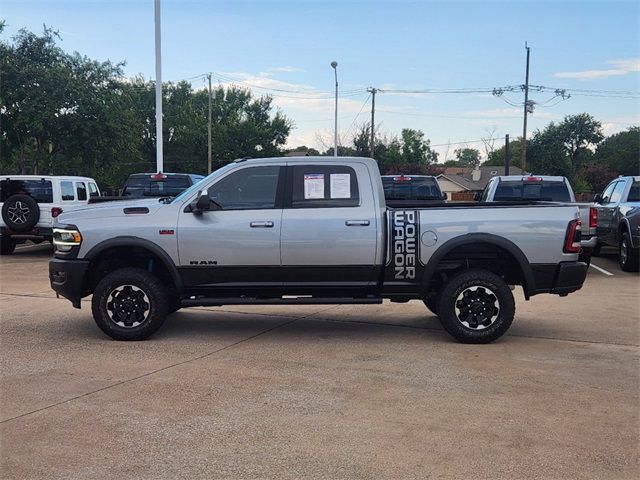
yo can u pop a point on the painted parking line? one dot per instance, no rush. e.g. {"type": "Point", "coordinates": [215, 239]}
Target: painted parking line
{"type": "Point", "coordinates": [30, 246]}
{"type": "Point", "coordinates": [602, 270]}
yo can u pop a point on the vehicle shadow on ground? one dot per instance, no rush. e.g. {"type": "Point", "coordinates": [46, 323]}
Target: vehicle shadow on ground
{"type": "Point", "coordinates": [202, 327]}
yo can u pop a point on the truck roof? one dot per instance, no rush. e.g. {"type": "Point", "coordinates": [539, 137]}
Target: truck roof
{"type": "Point", "coordinates": [305, 159]}
{"type": "Point", "coordinates": [45, 177]}
{"type": "Point", "coordinates": [515, 178]}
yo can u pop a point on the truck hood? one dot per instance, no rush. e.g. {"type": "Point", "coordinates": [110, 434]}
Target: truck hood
{"type": "Point", "coordinates": [110, 209]}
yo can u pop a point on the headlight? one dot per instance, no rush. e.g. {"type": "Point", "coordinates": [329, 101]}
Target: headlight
{"type": "Point", "coordinates": [65, 240]}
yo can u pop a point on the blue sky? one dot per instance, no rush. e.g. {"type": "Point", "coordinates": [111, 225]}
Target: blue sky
{"type": "Point", "coordinates": [386, 44]}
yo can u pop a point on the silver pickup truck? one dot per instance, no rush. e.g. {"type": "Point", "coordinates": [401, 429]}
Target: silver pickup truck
{"type": "Point", "coordinates": [311, 231]}
{"type": "Point", "coordinates": [545, 188]}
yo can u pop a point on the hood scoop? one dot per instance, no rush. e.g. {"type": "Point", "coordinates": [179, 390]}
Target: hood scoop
{"type": "Point", "coordinates": [136, 210]}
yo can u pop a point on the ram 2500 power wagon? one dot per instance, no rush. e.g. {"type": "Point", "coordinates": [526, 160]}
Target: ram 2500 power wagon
{"type": "Point", "coordinates": [311, 231]}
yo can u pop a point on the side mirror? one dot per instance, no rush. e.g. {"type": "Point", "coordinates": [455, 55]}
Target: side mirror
{"type": "Point", "coordinates": [444, 195]}
{"type": "Point", "coordinates": [477, 197]}
{"type": "Point", "coordinates": [203, 203]}
{"type": "Point", "coordinates": [597, 198]}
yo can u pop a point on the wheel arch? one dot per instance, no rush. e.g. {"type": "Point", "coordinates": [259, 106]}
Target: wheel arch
{"type": "Point", "coordinates": [501, 243]}
{"type": "Point", "coordinates": [100, 251]}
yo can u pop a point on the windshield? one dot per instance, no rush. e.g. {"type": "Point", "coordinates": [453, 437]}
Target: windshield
{"type": "Point", "coordinates": [537, 190]}
{"type": "Point", "coordinates": [198, 185]}
{"type": "Point", "coordinates": [411, 188]}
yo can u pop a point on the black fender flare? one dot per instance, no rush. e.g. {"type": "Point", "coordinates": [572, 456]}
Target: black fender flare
{"type": "Point", "coordinates": [471, 238]}
{"type": "Point", "coordinates": [131, 241]}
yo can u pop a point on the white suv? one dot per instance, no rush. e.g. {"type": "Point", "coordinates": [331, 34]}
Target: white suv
{"type": "Point", "coordinates": [30, 203]}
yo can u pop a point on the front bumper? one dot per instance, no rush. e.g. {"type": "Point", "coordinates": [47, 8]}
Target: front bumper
{"type": "Point", "coordinates": [68, 278]}
{"type": "Point", "coordinates": [34, 233]}
{"type": "Point", "coordinates": [562, 278]}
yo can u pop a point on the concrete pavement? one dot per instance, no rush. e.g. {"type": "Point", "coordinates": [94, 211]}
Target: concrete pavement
{"type": "Point", "coordinates": [320, 391]}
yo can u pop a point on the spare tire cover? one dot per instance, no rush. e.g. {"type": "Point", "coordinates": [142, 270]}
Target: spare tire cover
{"type": "Point", "coordinates": [20, 213]}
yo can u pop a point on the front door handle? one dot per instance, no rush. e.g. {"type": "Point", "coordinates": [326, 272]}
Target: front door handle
{"type": "Point", "coordinates": [261, 224]}
{"type": "Point", "coordinates": [357, 223]}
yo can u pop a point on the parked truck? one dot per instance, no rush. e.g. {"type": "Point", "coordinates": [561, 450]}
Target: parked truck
{"type": "Point", "coordinates": [545, 188]}
{"type": "Point", "coordinates": [618, 220]}
{"type": "Point", "coordinates": [311, 231]}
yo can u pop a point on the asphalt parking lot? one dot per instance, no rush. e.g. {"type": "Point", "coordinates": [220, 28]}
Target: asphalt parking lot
{"type": "Point", "coordinates": [320, 391]}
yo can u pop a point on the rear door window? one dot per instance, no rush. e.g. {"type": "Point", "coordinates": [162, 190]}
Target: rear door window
{"type": "Point", "coordinates": [66, 190]}
{"type": "Point", "coordinates": [317, 186]}
{"type": "Point", "coordinates": [40, 190]}
{"type": "Point", "coordinates": [81, 190]}
{"type": "Point", "coordinates": [532, 190]}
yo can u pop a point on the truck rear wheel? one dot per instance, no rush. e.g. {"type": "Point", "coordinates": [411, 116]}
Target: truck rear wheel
{"type": "Point", "coordinates": [476, 306]}
{"type": "Point", "coordinates": [129, 304]}
{"type": "Point", "coordinates": [628, 256]}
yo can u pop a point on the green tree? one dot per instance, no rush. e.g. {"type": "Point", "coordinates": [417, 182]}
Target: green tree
{"type": "Point", "coordinates": [60, 112]}
{"type": "Point", "coordinates": [620, 152]}
{"type": "Point", "coordinates": [497, 157]}
{"type": "Point", "coordinates": [467, 157]}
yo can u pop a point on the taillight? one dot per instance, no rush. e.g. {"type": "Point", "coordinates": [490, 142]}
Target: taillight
{"type": "Point", "coordinates": [158, 176]}
{"type": "Point", "coordinates": [593, 217]}
{"type": "Point", "coordinates": [55, 211]}
{"type": "Point", "coordinates": [533, 179]}
{"type": "Point", "coordinates": [573, 237]}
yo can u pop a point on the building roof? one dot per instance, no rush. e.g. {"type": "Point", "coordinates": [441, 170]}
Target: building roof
{"type": "Point", "coordinates": [465, 178]}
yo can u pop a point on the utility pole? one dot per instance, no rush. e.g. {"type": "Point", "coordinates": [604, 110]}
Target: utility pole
{"type": "Point", "coordinates": [507, 154]}
{"type": "Point", "coordinates": [526, 110]}
{"type": "Point", "coordinates": [372, 145]}
{"type": "Point", "coordinates": [159, 159]}
{"type": "Point", "coordinates": [209, 130]}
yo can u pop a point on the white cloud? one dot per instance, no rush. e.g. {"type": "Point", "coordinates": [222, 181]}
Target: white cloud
{"type": "Point", "coordinates": [287, 69]}
{"type": "Point", "coordinates": [621, 67]}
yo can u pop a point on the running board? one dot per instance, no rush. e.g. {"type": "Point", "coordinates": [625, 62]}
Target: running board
{"type": "Point", "coordinates": [218, 302]}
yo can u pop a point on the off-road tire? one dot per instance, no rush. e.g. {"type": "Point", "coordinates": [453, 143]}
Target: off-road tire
{"type": "Point", "coordinates": [476, 282]}
{"type": "Point", "coordinates": [7, 245]}
{"type": "Point", "coordinates": [104, 298]}
{"type": "Point", "coordinates": [20, 213]}
{"type": "Point", "coordinates": [631, 261]}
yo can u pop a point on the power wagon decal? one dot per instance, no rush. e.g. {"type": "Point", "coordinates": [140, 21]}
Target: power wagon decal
{"type": "Point", "coordinates": [403, 264]}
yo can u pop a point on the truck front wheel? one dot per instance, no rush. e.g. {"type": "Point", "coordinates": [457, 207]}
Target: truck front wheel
{"type": "Point", "coordinates": [476, 306]}
{"type": "Point", "coordinates": [129, 304]}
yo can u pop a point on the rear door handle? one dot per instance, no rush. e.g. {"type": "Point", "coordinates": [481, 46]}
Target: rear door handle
{"type": "Point", "coordinates": [357, 223]}
{"type": "Point", "coordinates": [261, 224]}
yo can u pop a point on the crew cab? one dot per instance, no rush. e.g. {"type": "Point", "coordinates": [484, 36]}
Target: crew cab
{"type": "Point", "coordinates": [618, 219]}
{"type": "Point", "coordinates": [30, 203]}
{"type": "Point", "coordinates": [311, 230]}
{"type": "Point", "coordinates": [545, 188]}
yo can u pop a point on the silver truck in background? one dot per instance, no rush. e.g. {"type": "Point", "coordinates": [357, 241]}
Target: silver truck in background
{"type": "Point", "coordinates": [311, 230]}
{"type": "Point", "coordinates": [618, 219]}
{"type": "Point", "coordinates": [545, 188]}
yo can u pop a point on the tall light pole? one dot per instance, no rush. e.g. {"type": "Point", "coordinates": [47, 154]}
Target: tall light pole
{"type": "Point", "coordinates": [523, 155]}
{"type": "Point", "coordinates": [334, 65]}
{"type": "Point", "coordinates": [159, 160]}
